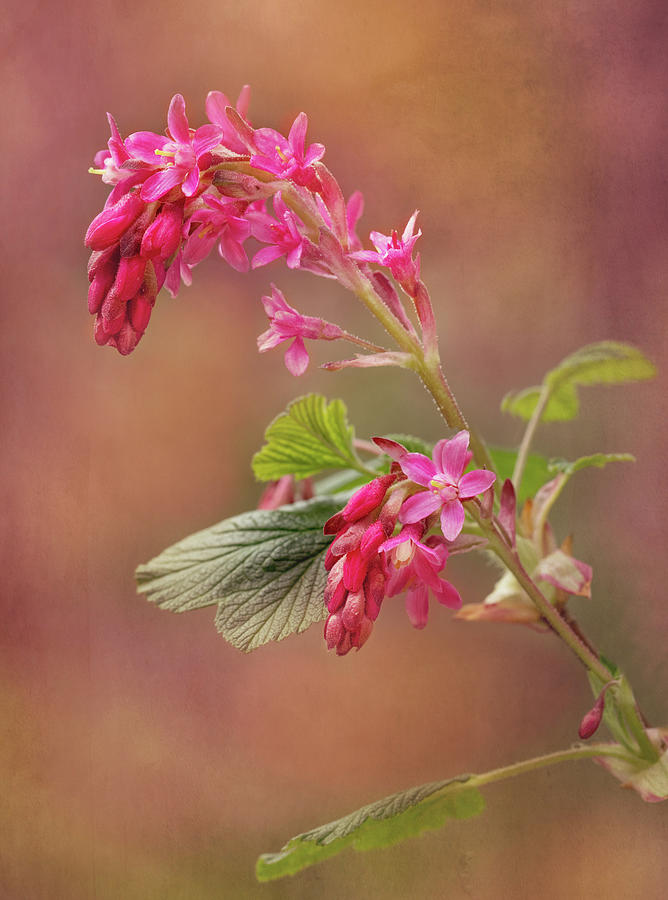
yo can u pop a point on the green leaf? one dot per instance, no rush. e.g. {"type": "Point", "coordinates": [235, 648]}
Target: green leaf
{"type": "Point", "coordinates": [600, 460]}
{"type": "Point", "coordinates": [607, 362]}
{"type": "Point", "coordinates": [263, 568]}
{"type": "Point", "coordinates": [310, 436]}
{"type": "Point", "coordinates": [380, 824]}
{"type": "Point", "coordinates": [536, 471]}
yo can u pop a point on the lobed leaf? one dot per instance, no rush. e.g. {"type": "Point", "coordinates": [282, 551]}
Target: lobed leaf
{"type": "Point", "coordinates": [607, 362]}
{"type": "Point", "coordinates": [379, 824]}
{"type": "Point", "coordinates": [263, 568]}
{"type": "Point", "coordinates": [310, 436]}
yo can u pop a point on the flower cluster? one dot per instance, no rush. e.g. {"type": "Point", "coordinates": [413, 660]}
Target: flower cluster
{"type": "Point", "coordinates": [368, 562]}
{"type": "Point", "coordinates": [178, 195]}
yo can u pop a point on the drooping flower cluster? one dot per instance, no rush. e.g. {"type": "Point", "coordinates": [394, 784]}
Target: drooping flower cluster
{"type": "Point", "coordinates": [368, 562]}
{"type": "Point", "coordinates": [178, 195]}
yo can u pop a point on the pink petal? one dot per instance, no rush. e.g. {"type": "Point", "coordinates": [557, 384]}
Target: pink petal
{"type": "Point", "coordinates": [313, 154]}
{"type": "Point", "coordinates": [296, 357]}
{"type": "Point", "coordinates": [297, 134]}
{"type": "Point", "coordinates": [161, 183]}
{"type": "Point", "coordinates": [452, 519]}
{"type": "Point", "coordinates": [419, 506]}
{"type": "Point", "coordinates": [475, 482]}
{"type": "Point", "coordinates": [408, 230]}
{"type": "Point", "coordinates": [417, 606]}
{"type": "Point", "coordinates": [243, 100]}
{"type": "Point", "coordinates": [233, 253]}
{"type": "Point", "coordinates": [449, 596]}
{"type": "Point", "coordinates": [215, 105]}
{"type": "Point", "coordinates": [143, 144]}
{"type": "Point", "coordinates": [392, 448]}
{"type": "Point", "coordinates": [191, 182]}
{"type": "Point", "coordinates": [265, 256]}
{"type": "Point", "coordinates": [450, 456]}
{"type": "Point", "coordinates": [177, 120]}
{"type": "Point", "coordinates": [206, 138]}
{"type": "Point", "coordinates": [418, 467]}
{"type": "Point", "coordinates": [354, 209]}
{"type": "Point", "coordinates": [294, 256]}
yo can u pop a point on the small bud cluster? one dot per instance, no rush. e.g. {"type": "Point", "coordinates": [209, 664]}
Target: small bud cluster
{"type": "Point", "coordinates": [357, 576]}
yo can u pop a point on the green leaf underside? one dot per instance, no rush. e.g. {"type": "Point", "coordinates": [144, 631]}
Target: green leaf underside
{"type": "Point", "coordinates": [380, 824]}
{"type": "Point", "coordinates": [263, 568]}
{"type": "Point", "coordinates": [607, 362]}
{"type": "Point", "coordinates": [599, 460]}
{"type": "Point", "coordinates": [309, 437]}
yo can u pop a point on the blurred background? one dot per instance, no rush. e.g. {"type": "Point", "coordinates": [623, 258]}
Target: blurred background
{"type": "Point", "coordinates": [141, 756]}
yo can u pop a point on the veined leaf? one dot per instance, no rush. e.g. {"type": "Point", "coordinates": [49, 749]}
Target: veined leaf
{"type": "Point", "coordinates": [263, 568]}
{"type": "Point", "coordinates": [380, 824]}
{"type": "Point", "coordinates": [607, 362]}
{"type": "Point", "coordinates": [599, 460]}
{"type": "Point", "coordinates": [309, 437]}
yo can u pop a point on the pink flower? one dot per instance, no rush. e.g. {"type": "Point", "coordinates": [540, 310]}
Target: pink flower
{"type": "Point", "coordinates": [415, 567]}
{"type": "Point", "coordinates": [288, 159]}
{"type": "Point", "coordinates": [286, 323]}
{"type": "Point", "coordinates": [396, 253]}
{"type": "Point", "coordinates": [446, 483]}
{"type": "Point", "coordinates": [187, 149]}
{"type": "Point", "coordinates": [221, 222]}
{"type": "Point", "coordinates": [283, 236]}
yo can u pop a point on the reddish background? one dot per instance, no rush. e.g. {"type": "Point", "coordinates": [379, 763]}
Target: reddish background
{"type": "Point", "coordinates": [143, 757]}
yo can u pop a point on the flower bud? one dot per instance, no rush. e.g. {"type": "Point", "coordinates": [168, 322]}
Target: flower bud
{"type": "Point", "coordinates": [163, 236]}
{"type": "Point", "coordinates": [334, 631]}
{"type": "Point", "coordinates": [108, 226]}
{"type": "Point", "coordinates": [353, 611]}
{"type": "Point", "coordinates": [367, 498]}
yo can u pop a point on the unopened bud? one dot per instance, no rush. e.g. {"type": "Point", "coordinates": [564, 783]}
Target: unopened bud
{"type": "Point", "coordinates": [108, 226]}
{"type": "Point", "coordinates": [163, 236]}
{"type": "Point", "coordinates": [367, 498]}
{"type": "Point", "coordinates": [353, 611]}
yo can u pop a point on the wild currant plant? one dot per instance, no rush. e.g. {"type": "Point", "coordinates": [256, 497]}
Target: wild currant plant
{"type": "Point", "coordinates": [394, 510]}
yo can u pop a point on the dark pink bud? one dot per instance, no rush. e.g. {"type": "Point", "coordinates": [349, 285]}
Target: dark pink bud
{"type": "Point", "coordinates": [335, 524]}
{"type": "Point", "coordinates": [507, 510]}
{"type": "Point", "coordinates": [362, 634]}
{"type": "Point", "coordinates": [345, 645]}
{"type": "Point", "coordinates": [334, 599]}
{"type": "Point", "coordinates": [592, 719]}
{"type": "Point", "coordinates": [334, 631]}
{"type": "Point", "coordinates": [333, 579]}
{"type": "Point", "coordinates": [103, 260]}
{"type": "Point", "coordinates": [127, 339]}
{"type": "Point", "coordinates": [372, 538]}
{"type": "Point", "coordinates": [108, 226]}
{"type": "Point", "coordinates": [374, 589]}
{"type": "Point", "coordinates": [330, 558]}
{"type": "Point", "coordinates": [129, 279]}
{"type": "Point", "coordinates": [99, 288]}
{"type": "Point", "coordinates": [367, 498]}
{"type": "Point", "coordinates": [354, 570]}
{"type": "Point", "coordinates": [130, 242]}
{"type": "Point", "coordinates": [391, 508]}
{"type": "Point", "coordinates": [349, 539]}
{"type": "Point", "coordinates": [139, 312]}
{"type": "Point", "coordinates": [163, 236]}
{"type": "Point", "coordinates": [353, 611]}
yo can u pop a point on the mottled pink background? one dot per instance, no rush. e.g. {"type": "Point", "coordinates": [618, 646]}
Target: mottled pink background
{"type": "Point", "coordinates": [141, 756]}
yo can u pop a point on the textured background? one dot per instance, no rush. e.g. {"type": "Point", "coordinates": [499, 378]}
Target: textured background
{"type": "Point", "coordinates": [142, 757]}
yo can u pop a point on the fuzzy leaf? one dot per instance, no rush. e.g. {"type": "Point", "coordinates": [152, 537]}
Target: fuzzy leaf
{"type": "Point", "coordinates": [263, 568]}
{"type": "Point", "coordinates": [584, 462]}
{"type": "Point", "coordinates": [607, 362]}
{"type": "Point", "coordinates": [380, 824]}
{"type": "Point", "coordinates": [310, 436]}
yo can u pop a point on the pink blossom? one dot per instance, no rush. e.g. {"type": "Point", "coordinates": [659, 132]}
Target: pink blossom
{"type": "Point", "coordinates": [396, 253]}
{"type": "Point", "coordinates": [446, 483]}
{"type": "Point", "coordinates": [283, 236]}
{"type": "Point", "coordinates": [187, 149]}
{"type": "Point", "coordinates": [415, 567]}
{"type": "Point", "coordinates": [286, 323]}
{"type": "Point", "coordinates": [220, 221]}
{"type": "Point", "coordinates": [288, 159]}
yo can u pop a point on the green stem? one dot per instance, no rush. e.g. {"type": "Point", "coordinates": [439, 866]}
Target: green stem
{"type": "Point", "coordinates": [523, 452]}
{"type": "Point", "coordinates": [549, 759]}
